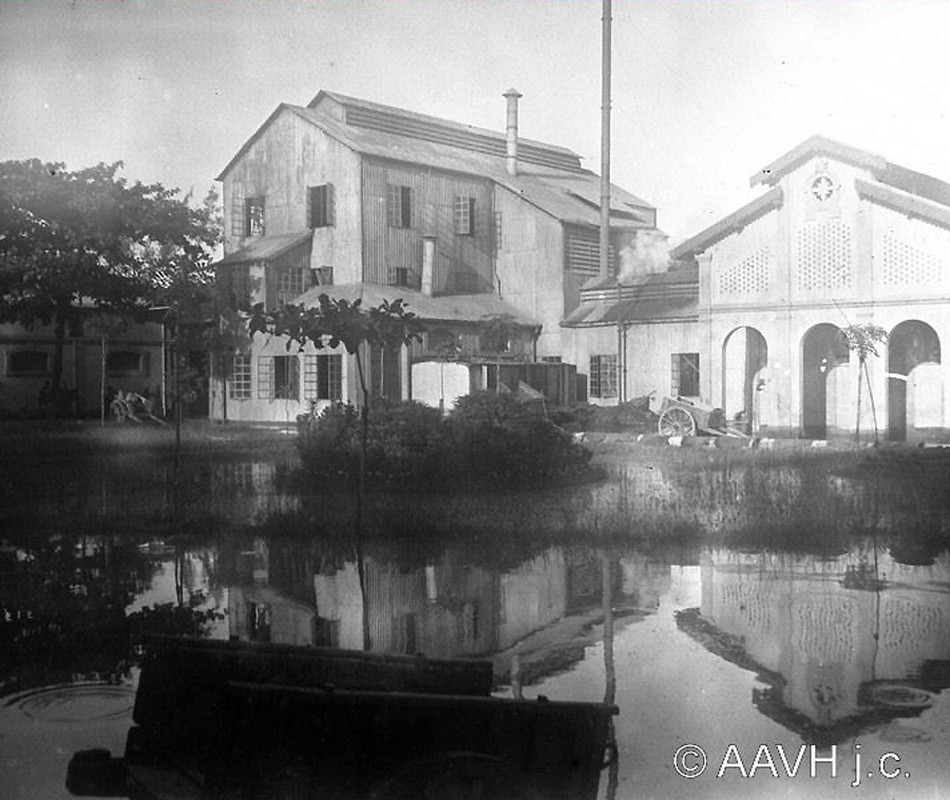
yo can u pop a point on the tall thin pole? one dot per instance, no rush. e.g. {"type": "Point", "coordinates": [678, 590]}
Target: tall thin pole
{"type": "Point", "coordinates": [605, 147]}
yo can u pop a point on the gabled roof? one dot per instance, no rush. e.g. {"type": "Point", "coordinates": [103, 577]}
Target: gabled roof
{"type": "Point", "coordinates": [736, 221]}
{"type": "Point", "coordinates": [549, 177]}
{"type": "Point", "coordinates": [811, 147]}
{"type": "Point", "coordinates": [904, 203]}
{"type": "Point", "coordinates": [899, 177]}
{"type": "Point", "coordinates": [267, 248]}
{"type": "Point", "coordinates": [385, 117]}
{"type": "Point", "coordinates": [445, 308]}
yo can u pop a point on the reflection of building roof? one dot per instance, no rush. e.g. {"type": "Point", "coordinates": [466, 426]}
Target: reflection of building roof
{"type": "Point", "coordinates": [448, 308]}
{"type": "Point", "coordinates": [267, 248]}
{"type": "Point", "coordinates": [659, 297]}
{"type": "Point", "coordinates": [769, 701]}
{"type": "Point", "coordinates": [549, 177]}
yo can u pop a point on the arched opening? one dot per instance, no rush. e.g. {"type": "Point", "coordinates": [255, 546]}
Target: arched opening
{"type": "Point", "coordinates": [823, 348]}
{"type": "Point", "coordinates": [911, 344]}
{"type": "Point", "coordinates": [744, 354]}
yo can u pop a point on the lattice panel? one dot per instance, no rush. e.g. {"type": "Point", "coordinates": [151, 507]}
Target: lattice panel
{"type": "Point", "coordinates": [825, 629]}
{"type": "Point", "coordinates": [754, 609]}
{"type": "Point", "coordinates": [749, 276]}
{"type": "Point", "coordinates": [824, 257]}
{"type": "Point", "coordinates": [905, 265]}
{"type": "Point", "coordinates": [909, 626]}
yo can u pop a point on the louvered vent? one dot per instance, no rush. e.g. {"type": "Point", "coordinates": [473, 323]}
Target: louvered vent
{"type": "Point", "coordinates": [457, 137]}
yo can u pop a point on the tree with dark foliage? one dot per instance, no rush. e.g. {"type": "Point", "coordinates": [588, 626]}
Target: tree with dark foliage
{"type": "Point", "coordinates": [88, 238]}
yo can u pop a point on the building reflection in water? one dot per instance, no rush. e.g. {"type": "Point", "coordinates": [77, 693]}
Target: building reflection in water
{"type": "Point", "coordinates": [544, 610]}
{"type": "Point", "coordinates": [843, 642]}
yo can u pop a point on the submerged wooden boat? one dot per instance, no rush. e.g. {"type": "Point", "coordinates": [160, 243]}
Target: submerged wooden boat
{"type": "Point", "coordinates": [227, 719]}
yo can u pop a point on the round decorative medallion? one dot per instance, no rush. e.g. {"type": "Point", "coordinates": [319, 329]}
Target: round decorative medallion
{"type": "Point", "coordinates": [822, 188]}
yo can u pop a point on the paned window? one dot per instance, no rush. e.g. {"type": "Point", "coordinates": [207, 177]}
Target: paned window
{"type": "Point", "coordinates": [464, 216]}
{"type": "Point", "coordinates": [323, 377]}
{"type": "Point", "coordinates": [125, 362]}
{"type": "Point", "coordinates": [290, 285]}
{"type": "Point", "coordinates": [685, 375]}
{"type": "Point", "coordinates": [603, 376]}
{"type": "Point", "coordinates": [499, 238]}
{"type": "Point", "coordinates": [399, 206]}
{"type": "Point", "coordinates": [321, 206]}
{"type": "Point", "coordinates": [240, 385]}
{"type": "Point", "coordinates": [254, 216]}
{"type": "Point", "coordinates": [28, 362]}
{"type": "Point", "coordinates": [278, 378]}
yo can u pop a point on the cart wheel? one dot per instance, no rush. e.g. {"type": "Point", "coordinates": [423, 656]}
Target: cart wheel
{"type": "Point", "coordinates": [677, 422]}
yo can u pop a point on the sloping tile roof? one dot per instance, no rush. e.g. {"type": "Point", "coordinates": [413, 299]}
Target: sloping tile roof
{"type": "Point", "coordinates": [547, 188]}
{"type": "Point", "coordinates": [661, 297]}
{"type": "Point", "coordinates": [905, 203]}
{"type": "Point", "coordinates": [569, 195]}
{"type": "Point", "coordinates": [899, 177]}
{"type": "Point", "coordinates": [730, 224]}
{"type": "Point", "coordinates": [814, 146]}
{"type": "Point", "coordinates": [445, 308]}
{"type": "Point", "coordinates": [425, 119]}
{"type": "Point", "coordinates": [266, 248]}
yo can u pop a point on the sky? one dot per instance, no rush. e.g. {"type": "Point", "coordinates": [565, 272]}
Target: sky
{"type": "Point", "coordinates": [704, 92]}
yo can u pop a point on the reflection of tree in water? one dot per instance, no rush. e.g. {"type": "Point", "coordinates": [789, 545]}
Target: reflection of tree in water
{"type": "Point", "coordinates": [63, 609]}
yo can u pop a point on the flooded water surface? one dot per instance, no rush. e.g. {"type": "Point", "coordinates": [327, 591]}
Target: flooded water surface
{"type": "Point", "coordinates": [765, 626]}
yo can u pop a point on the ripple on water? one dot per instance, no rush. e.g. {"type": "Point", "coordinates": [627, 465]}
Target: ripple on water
{"type": "Point", "coordinates": [76, 702]}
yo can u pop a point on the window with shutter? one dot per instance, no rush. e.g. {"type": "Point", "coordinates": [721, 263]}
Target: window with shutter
{"type": "Point", "coordinates": [399, 206]}
{"type": "Point", "coordinates": [321, 205]}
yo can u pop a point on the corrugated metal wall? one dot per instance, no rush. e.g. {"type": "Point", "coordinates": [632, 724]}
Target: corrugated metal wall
{"type": "Point", "coordinates": [463, 262]}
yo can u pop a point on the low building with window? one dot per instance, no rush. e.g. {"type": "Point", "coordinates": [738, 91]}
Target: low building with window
{"type": "Point", "coordinates": [749, 315]}
{"type": "Point", "coordinates": [474, 230]}
{"type": "Point", "coordinates": [96, 357]}
{"type": "Point", "coordinates": [839, 238]}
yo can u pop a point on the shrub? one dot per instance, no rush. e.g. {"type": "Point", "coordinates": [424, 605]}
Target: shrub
{"type": "Point", "coordinates": [488, 440]}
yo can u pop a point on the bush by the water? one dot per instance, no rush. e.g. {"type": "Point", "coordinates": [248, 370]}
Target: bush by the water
{"type": "Point", "coordinates": [488, 440]}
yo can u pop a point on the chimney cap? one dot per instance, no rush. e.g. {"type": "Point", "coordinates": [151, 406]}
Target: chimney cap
{"type": "Point", "coordinates": [512, 93]}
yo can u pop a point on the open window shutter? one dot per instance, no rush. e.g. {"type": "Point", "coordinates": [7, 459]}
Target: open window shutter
{"type": "Point", "coordinates": [331, 205]}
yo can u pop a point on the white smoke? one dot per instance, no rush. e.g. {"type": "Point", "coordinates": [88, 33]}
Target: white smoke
{"type": "Point", "coordinates": [643, 253]}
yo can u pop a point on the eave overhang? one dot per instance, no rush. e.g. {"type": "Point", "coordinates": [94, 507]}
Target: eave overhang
{"type": "Point", "coordinates": [735, 222]}
{"type": "Point", "coordinates": [905, 204]}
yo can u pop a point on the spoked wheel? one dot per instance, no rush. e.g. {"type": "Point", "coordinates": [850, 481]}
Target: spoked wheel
{"type": "Point", "coordinates": [677, 422]}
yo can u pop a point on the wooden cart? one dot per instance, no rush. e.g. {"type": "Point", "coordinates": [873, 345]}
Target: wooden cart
{"type": "Point", "coordinates": [216, 720]}
{"type": "Point", "coordinates": [681, 416]}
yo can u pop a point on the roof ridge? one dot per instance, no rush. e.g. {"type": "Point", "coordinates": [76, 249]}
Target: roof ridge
{"type": "Point", "coordinates": [348, 100]}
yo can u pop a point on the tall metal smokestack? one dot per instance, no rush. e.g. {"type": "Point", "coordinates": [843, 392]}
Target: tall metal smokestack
{"type": "Point", "coordinates": [511, 132]}
{"type": "Point", "coordinates": [605, 148]}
